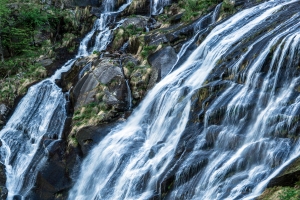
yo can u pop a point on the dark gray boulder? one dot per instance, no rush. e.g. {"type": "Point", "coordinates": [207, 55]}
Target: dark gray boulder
{"type": "Point", "coordinates": [163, 60]}
{"type": "Point", "coordinates": [89, 136]}
{"type": "Point", "coordinates": [3, 190]}
{"type": "Point", "coordinates": [107, 73]}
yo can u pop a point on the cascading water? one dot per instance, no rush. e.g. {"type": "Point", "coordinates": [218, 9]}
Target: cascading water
{"type": "Point", "coordinates": [41, 114]}
{"type": "Point", "coordinates": [129, 96]}
{"type": "Point", "coordinates": [233, 155]}
{"type": "Point", "coordinates": [158, 5]}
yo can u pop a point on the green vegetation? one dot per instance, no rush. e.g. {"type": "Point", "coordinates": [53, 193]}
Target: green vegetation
{"type": "Point", "coordinates": [289, 193]}
{"type": "Point", "coordinates": [227, 7]}
{"type": "Point", "coordinates": [147, 50]}
{"type": "Point", "coordinates": [15, 85]}
{"type": "Point", "coordinates": [94, 112]}
{"type": "Point", "coordinates": [29, 33]}
{"type": "Point", "coordinates": [19, 29]}
{"type": "Point", "coordinates": [133, 30]}
{"type": "Point", "coordinates": [19, 48]}
{"type": "Point", "coordinates": [194, 8]}
{"type": "Point", "coordinates": [122, 34]}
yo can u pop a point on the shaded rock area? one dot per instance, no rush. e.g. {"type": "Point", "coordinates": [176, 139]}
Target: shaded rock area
{"type": "Point", "coordinates": [3, 190]}
{"type": "Point", "coordinates": [289, 176]}
{"type": "Point", "coordinates": [103, 87]}
{"type": "Point", "coordinates": [287, 179]}
{"type": "Point", "coordinates": [89, 136]}
{"type": "Point", "coordinates": [4, 110]}
{"type": "Point", "coordinates": [137, 7]}
{"type": "Point", "coordinates": [52, 179]}
{"type": "Point", "coordinates": [163, 61]}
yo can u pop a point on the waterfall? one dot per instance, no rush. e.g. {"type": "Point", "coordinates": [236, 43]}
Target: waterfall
{"type": "Point", "coordinates": [129, 98]}
{"type": "Point", "coordinates": [101, 27]}
{"type": "Point", "coordinates": [231, 159]}
{"type": "Point", "coordinates": [41, 115]}
{"type": "Point", "coordinates": [158, 5]}
{"type": "Point", "coordinates": [216, 13]}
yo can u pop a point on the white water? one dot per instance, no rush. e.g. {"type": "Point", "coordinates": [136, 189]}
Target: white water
{"type": "Point", "coordinates": [129, 163]}
{"type": "Point", "coordinates": [158, 6]}
{"type": "Point", "coordinates": [216, 13]}
{"type": "Point", "coordinates": [41, 114]}
{"type": "Point", "coordinates": [129, 98]}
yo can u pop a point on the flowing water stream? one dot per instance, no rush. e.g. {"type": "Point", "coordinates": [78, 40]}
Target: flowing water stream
{"type": "Point", "coordinates": [158, 6]}
{"type": "Point", "coordinates": [41, 114]}
{"type": "Point", "coordinates": [230, 159]}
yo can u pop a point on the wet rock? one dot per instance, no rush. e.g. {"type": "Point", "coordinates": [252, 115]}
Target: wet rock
{"type": "Point", "coordinates": [171, 35]}
{"type": "Point", "coordinates": [163, 60]}
{"type": "Point", "coordinates": [288, 176]}
{"type": "Point", "coordinates": [96, 11]}
{"type": "Point", "coordinates": [138, 7]}
{"type": "Point", "coordinates": [107, 72]}
{"type": "Point", "coordinates": [45, 62]}
{"type": "Point", "coordinates": [139, 80]}
{"type": "Point", "coordinates": [3, 189]}
{"type": "Point", "coordinates": [52, 177]}
{"type": "Point", "coordinates": [4, 110]}
{"type": "Point", "coordinates": [70, 78]}
{"type": "Point", "coordinates": [3, 193]}
{"type": "Point", "coordinates": [89, 136]}
{"type": "Point", "coordinates": [137, 21]}
{"type": "Point", "coordinates": [95, 3]}
{"type": "Point", "coordinates": [2, 175]}
{"type": "Point", "coordinates": [176, 18]}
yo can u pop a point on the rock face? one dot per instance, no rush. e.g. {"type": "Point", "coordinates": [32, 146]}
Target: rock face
{"type": "Point", "coordinates": [3, 113]}
{"type": "Point", "coordinates": [138, 7]}
{"type": "Point", "coordinates": [163, 61]}
{"type": "Point", "coordinates": [89, 136]}
{"type": "Point", "coordinates": [287, 179]}
{"type": "Point", "coordinates": [104, 82]}
{"type": "Point", "coordinates": [106, 87]}
{"type": "Point", "coordinates": [52, 178]}
{"type": "Point", "coordinates": [3, 190]}
{"type": "Point", "coordinates": [103, 88]}
{"type": "Point", "coordinates": [86, 89]}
